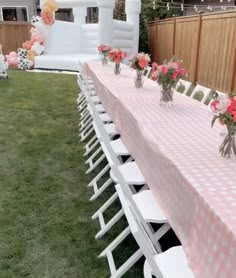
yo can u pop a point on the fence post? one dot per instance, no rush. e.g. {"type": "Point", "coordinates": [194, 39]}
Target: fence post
{"type": "Point", "coordinates": [233, 73]}
{"type": "Point", "coordinates": [174, 30]}
{"type": "Point", "coordinates": [198, 48]}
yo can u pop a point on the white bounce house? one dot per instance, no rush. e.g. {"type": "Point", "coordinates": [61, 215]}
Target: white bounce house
{"type": "Point", "coordinates": [67, 42]}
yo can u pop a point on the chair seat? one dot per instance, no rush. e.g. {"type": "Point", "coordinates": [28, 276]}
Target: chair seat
{"type": "Point", "coordinates": [172, 263]}
{"type": "Point", "coordinates": [96, 99]}
{"type": "Point", "coordinates": [149, 207]}
{"type": "Point", "coordinates": [100, 108]}
{"type": "Point", "coordinates": [119, 148]}
{"type": "Point", "coordinates": [110, 129]}
{"type": "Point", "coordinates": [91, 86]}
{"type": "Point", "coordinates": [105, 118]}
{"type": "Point", "coordinates": [131, 174]}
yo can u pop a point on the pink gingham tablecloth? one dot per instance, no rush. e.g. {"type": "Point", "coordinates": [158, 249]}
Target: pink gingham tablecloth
{"type": "Point", "coordinates": [177, 152]}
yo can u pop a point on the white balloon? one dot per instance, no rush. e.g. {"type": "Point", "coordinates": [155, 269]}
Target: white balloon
{"type": "Point", "coordinates": [38, 48]}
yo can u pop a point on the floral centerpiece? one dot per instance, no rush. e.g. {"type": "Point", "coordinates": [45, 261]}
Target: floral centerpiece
{"type": "Point", "coordinates": [116, 56]}
{"type": "Point", "coordinates": [139, 62]}
{"type": "Point", "coordinates": [104, 51]}
{"type": "Point", "coordinates": [224, 109]}
{"type": "Point", "coordinates": [167, 75]}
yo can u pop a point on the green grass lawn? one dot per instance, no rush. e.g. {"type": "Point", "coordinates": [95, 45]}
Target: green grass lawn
{"type": "Point", "coordinates": [45, 216]}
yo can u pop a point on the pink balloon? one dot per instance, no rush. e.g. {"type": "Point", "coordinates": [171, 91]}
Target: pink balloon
{"type": "Point", "coordinates": [28, 44]}
{"type": "Point", "coordinates": [37, 36]}
{"type": "Point", "coordinates": [12, 59]}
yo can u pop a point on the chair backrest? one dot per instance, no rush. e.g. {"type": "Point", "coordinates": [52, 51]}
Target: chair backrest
{"type": "Point", "coordinates": [218, 95]}
{"type": "Point", "coordinates": [185, 84]}
{"type": "Point", "coordinates": [147, 71]}
{"type": "Point", "coordinates": [202, 90]}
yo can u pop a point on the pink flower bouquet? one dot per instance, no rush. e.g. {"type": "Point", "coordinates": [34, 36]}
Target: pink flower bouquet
{"type": "Point", "coordinates": [167, 75]}
{"type": "Point", "coordinates": [224, 109]}
{"type": "Point", "coordinates": [104, 51]}
{"type": "Point", "coordinates": [139, 62]}
{"type": "Point", "coordinates": [116, 56]}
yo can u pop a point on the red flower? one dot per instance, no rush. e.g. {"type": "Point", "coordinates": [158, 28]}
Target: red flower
{"type": "Point", "coordinates": [174, 75]}
{"type": "Point", "coordinates": [164, 69]}
{"type": "Point", "coordinates": [111, 55]}
{"type": "Point", "coordinates": [154, 66]}
{"type": "Point", "coordinates": [214, 105]}
{"type": "Point", "coordinates": [232, 107]}
{"type": "Point", "coordinates": [117, 60]}
{"type": "Point", "coordinates": [183, 72]}
{"type": "Point", "coordinates": [142, 62]}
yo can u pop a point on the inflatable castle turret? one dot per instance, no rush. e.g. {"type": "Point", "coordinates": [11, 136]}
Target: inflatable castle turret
{"type": "Point", "coordinates": [68, 42]}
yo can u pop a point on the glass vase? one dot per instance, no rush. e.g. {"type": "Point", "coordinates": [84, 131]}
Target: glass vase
{"type": "Point", "coordinates": [166, 96]}
{"type": "Point", "coordinates": [104, 59]}
{"type": "Point", "coordinates": [117, 68]}
{"type": "Point", "coordinates": [228, 146]}
{"type": "Point", "coordinates": [138, 81]}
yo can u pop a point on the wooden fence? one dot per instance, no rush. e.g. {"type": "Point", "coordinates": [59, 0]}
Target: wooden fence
{"type": "Point", "coordinates": [13, 34]}
{"type": "Point", "coordinates": [206, 44]}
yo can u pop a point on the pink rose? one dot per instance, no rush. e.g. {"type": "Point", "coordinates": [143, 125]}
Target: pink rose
{"type": "Point", "coordinates": [164, 69]}
{"type": "Point", "coordinates": [154, 65]}
{"type": "Point", "coordinates": [214, 105]}
{"type": "Point", "coordinates": [142, 62]}
{"type": "Point", "coordinates": [174, 75]}
{"type": "Point", "coordinates": [183, 72]}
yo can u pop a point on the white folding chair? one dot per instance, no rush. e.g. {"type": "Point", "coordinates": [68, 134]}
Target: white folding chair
{"type": "Point", "coordinates": [140, 199]}
{"type": "Point", "coordinates": [154, 261]}
{"type": "Point", "coordinates": [204, 91]}
{"type": "Point", "coordinates": [185, 84]}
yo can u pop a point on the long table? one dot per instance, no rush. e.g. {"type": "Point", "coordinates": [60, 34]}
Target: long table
{"type": "Point", "coordinates": [177, 152]}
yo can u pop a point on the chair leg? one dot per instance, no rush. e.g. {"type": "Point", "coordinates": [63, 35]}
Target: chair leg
{"type": "Point", "coordinates": [83, 114]}
{"type": "Point", "coordinates": [84, 134]}
{"type": "Point", "coordinates": [99, 214]}
{"type": "Point", "coordinates": [91, 145]}
{"type": "Point", "coordinates": [90, 161]}
{"type": "Point", "coordinates": [93, 183]}
{"type": "Point", "coordinates": [83, 105]}
{"type": "Point", "coordinates": [81, 98]}
{"type": "Point", "coordinates": [84, 123]}
{"type": "Point", "coordinates": [107, 252]}
{"type": "Point", "coordinates": [84, 118]}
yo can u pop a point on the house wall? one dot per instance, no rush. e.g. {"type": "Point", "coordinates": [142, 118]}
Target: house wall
{"type": "Point", "coordinates": [30, 4]}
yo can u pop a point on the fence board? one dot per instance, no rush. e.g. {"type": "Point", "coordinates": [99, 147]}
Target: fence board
{"type": "Point", "coordinates": [205, 43]}
{"type": "Point", "coordinates": [186, 49]}
{"type": "Point", "coordinates": [13, 34]}
{"type": "Point", "coordinates": [217, 52]}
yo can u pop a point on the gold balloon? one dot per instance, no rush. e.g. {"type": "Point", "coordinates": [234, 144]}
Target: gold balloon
{"type": "Point", "coordinates": [50, 6]}
{"type": "Point", "coordinates": [30, 55]}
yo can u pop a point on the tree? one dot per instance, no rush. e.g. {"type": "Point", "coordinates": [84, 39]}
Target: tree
{"type": "Point", "coordinates": [149, 13]}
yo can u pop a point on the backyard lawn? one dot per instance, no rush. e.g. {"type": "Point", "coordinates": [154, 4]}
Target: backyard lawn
{"type": "Point", "coordinates": [45, 216]}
